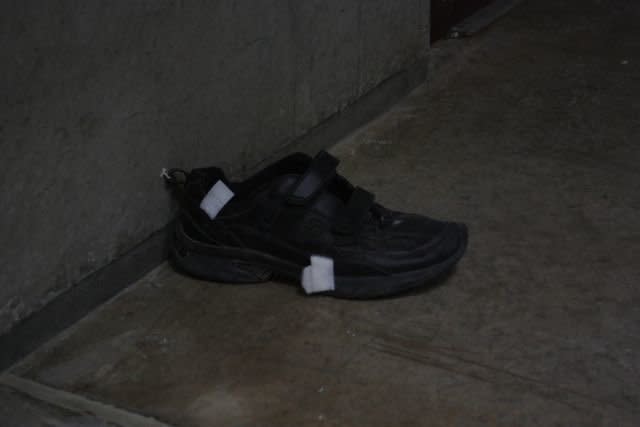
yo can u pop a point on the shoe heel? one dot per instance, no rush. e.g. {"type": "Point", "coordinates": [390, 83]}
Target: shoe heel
{"type": "Point", "coordinates": [219, 268]}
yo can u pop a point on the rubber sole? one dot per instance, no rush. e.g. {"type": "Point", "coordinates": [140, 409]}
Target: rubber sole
{"type": "Point", "coordinates": [239, 265]}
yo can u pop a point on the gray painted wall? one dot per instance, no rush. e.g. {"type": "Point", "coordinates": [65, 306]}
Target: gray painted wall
{"type": "Point", "coordinates": [97, 96]}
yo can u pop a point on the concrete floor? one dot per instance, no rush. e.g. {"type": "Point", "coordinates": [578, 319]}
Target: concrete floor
{"type": "Point", "coordinates": [529, 133]}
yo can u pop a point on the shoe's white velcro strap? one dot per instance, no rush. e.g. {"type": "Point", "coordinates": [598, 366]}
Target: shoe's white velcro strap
{"type": "Point", "coordinates": [216, 198]}
{"type": "Point", "coordinates": [318, 277]}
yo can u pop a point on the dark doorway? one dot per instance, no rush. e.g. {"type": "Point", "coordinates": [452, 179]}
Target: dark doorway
{"type": "Point", "coordinates": [446, 13]}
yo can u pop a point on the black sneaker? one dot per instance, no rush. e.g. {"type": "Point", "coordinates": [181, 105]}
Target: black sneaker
{"type": "Point", "coordinates": [299, 220]}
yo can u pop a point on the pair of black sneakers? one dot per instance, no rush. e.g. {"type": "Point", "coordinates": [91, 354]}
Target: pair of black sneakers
{"type": "Point", "coordinates": [299, 220]}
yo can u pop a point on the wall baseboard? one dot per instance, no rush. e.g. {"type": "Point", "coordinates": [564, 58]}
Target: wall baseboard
{"type": "Point", "coordinates": [79, 300]}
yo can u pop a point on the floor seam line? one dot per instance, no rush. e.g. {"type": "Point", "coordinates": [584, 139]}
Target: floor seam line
{"type": "Point", "coordinates": [79, 404]}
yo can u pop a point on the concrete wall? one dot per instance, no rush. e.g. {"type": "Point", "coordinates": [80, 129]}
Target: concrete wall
{"type": "Point", "coordinates": [97, 96]}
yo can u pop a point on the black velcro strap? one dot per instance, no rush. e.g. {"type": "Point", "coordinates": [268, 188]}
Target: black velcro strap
{"type": "Point", "coordinates": [322, 169]}
{"type": "Point", "coordinates": [351, 220]}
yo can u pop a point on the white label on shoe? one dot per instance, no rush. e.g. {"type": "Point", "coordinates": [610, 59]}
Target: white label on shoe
{"type": "Point", "coordinates": [216, 198]}
{"type": "Point", "coordinates": [318, 277]}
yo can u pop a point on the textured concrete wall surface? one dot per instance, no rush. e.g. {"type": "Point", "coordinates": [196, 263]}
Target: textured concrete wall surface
{"type": "Point", "coordinates": [97, 96]}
